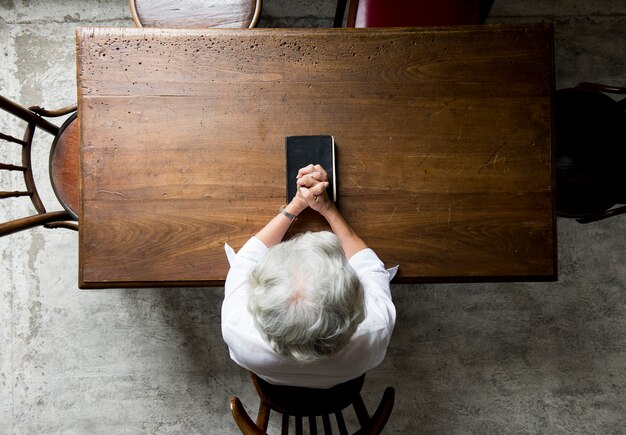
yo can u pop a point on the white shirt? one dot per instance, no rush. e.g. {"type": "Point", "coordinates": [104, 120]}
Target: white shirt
{"type": "Point", "coordinates": [365, 350]}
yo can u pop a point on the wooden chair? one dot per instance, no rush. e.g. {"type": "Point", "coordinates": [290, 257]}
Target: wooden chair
{"type": "Point", "coordinates": [310, 403]}
{"type": "Point", "coordinates": [412, 13]}
{"type": "Point", "coordinates": [63, 166]}
{"type": "Point", "coordinates": [590, 132]}
{"type": "Point", "coordinates": [196, 13]}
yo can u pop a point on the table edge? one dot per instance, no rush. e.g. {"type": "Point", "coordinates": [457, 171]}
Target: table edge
{"type": "Point", "coordinates": [102, 285]}
{"type": "Point", "coordinates": [86, 31]}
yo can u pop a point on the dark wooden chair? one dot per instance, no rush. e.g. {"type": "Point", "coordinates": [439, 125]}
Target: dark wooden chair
{"type": "Point", "coordinates": [196, 13]}
{"type": "Point", "coordinates": [412, 13]}
{"type": "Point", "coordinates": [590, 136]}
{"type": "Point", "coordinates": [63, 166]}
{"type": "Point", "coordinates": [310, 403]}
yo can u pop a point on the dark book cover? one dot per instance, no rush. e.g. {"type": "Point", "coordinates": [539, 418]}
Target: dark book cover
{"type": "Point", "coordinates": [304, 150]}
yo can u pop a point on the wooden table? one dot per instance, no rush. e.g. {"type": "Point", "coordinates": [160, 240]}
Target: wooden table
{"type": "Point", "coordinates": [444, 150]}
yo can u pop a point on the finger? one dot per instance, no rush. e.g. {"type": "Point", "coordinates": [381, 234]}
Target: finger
{"type": "Point", "coordinates": [309, 180]}
{"type": "Point", "coordinates": [323, 175]}
{"type": "Point", "coordinates": [320, 175]}
{"type": "Point", "coordinates": [306, 170]}
{"type": "Point", "coordinates": [319, 188]}
{"type": "Point", "coordinates": [307, 195]}
{"type": "Point", "coordinates": [304, 182]}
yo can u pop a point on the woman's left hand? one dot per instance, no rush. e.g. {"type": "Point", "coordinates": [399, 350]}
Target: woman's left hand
{"type": "Point", "coordinates": [312, 183]}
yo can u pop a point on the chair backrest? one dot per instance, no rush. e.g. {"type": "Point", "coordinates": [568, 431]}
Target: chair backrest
{"type": "Point", "coordinates": [33, 118]}
{"type": "Point", "coordinates": [196, 13]}
{"type": "Point", "coordinates": [412, 13]}
{"type": "Point", "coordinates": [310, 403]}
{"type": "Point", "coordinates": [590, 132]}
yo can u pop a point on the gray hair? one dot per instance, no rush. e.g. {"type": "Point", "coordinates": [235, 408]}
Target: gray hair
{"type": "Point", "coordinates": [306, 300]}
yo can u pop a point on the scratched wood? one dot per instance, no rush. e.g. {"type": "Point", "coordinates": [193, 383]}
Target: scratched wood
{"type": "Point", "coordinates": [444, 152]}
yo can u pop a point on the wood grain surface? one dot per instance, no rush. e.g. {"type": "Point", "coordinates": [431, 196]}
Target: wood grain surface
{"type": "Point", "coordinates": [443, 140]}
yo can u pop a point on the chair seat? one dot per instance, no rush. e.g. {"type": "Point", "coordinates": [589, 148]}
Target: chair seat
{"type": "Point", "coordinates": [308, 401]}
{"type": "Point", "coordinates": [64, 166]}
{"type": "Point", "coordinates": [195, 13]}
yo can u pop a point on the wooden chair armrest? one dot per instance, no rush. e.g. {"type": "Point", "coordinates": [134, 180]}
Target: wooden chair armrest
{"type": "Point", "coordinates": [602, 88]}
{"type": "Point", "coordinates": [32, 221]}
{"type": "Point", "coordinates": [381, 416]}
{"type": "Point", "coordinates": [53, 113]}
{"type": "Point", "coordinates": [67, 225]}
{"type": "Point", "coordinates": [243, 420]}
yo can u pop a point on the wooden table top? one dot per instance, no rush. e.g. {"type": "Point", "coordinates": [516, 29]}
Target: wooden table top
{"type": "Point", "coordinates": [443, 140]}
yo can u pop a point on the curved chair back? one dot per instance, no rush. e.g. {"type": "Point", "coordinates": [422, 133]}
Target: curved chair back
{"type": "Point", "coordinates": [311, 403]}
{"type": "Point", "coordinates": [196, 13]}
{"type": "Point", "coordinates": [590, 132]}
{"type": "Point", "coordinates": [63, 166]}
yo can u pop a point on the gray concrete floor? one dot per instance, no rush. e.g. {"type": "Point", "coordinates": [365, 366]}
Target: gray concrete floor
{"type": "Point", "coordinates": [481, 358]}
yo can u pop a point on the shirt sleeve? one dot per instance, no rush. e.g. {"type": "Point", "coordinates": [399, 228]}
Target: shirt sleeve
{"type": "Point", "coordinates": [235, 317]}
{"type": "Point", "coordinates": [375, 280]}
{"type": "Point", "coordinates": [242, 264]}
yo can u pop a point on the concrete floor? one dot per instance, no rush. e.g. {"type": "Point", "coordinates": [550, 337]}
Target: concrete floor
{"type": "Point", "coordinates": [481, 358]}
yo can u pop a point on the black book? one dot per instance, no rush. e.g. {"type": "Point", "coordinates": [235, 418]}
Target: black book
{"type": "Point", "coordinates": [304, 150]}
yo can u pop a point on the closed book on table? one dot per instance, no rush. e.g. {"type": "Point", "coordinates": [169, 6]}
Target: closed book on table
{"type": "Point", "coordinates": [302, 151]}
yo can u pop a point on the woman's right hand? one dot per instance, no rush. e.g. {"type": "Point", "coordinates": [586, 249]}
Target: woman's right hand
{"type": "Point", "coordinates": [312, 183]}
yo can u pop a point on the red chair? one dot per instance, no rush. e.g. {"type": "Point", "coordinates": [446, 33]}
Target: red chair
{"type": "Point", "coordinates": [412, 13]}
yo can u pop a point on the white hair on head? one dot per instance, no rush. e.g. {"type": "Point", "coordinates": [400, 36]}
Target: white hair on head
{"type": "Point", "coordinates": [306, 300]}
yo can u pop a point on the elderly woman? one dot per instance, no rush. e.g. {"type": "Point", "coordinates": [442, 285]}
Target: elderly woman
{"type": "Point", "coordinates": [314, 311]}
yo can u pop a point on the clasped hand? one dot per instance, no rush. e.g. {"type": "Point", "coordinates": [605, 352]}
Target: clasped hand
{"type": "Point", "coordinates": [312, 182]}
